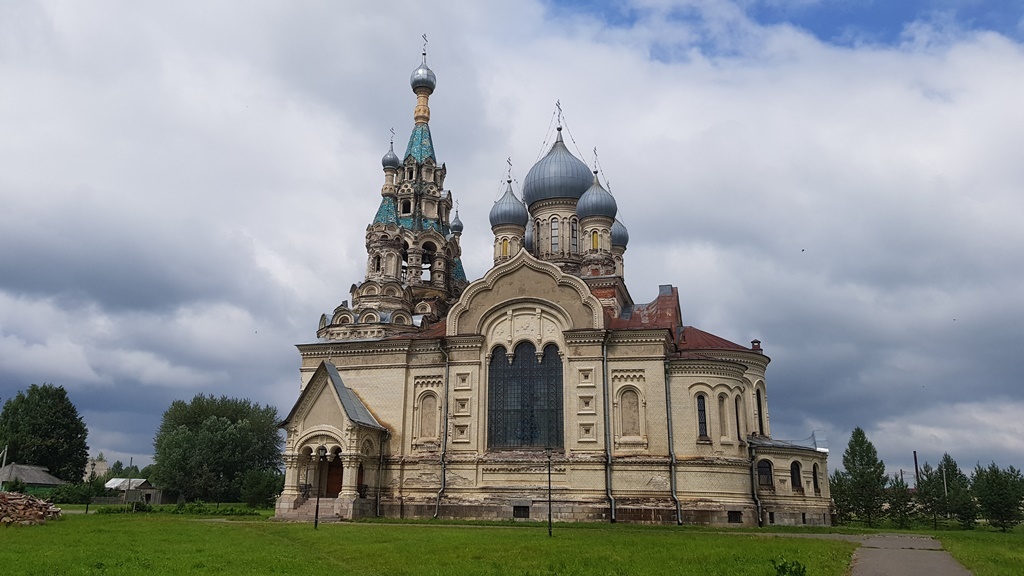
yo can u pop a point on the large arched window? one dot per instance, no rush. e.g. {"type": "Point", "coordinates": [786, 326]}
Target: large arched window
{"type": "Point", "coordinates": [814, 480]}
{"type": "Point", "coordinates": [760, 414]}
{"type": "Point", "coordinates": [764, 474]}
{"type": "Point", "coordinates": [702, 417]}
{"type": "Point", "coordinates": [524, 398]}
{"type": "Point", "coordinates": [794, 477]}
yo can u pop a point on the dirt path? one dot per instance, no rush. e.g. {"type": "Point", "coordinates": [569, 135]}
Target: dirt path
{"type": "Point", "coordinates": [904, 555]}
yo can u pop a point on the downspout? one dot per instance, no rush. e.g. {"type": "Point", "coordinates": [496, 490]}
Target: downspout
{"type": "Point", "coordinates": [444, 434]}
{"type": "Point", "coordinates": [753, 483]}
{"type": "Point", "coordinates": [672, 449]}
{"type": "Point", "coordinates": [384, 434]}
{"type": "Point", "coordinates": [607, 428]}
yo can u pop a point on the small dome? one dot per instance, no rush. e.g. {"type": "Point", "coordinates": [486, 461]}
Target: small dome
{"type": "Point", "coordinates": [528, 237]}
{"type": "Point", "coordinates": [423, 77]}
{"type": "Point", "coordinates": [509, 210]}
{"type": "Point", "coordinates": [557, 175]}
{"type": "Point", "coordinates": [596, 201]}
{"type": "Point", "coordinates": [391, 160]}
{"type": "Point", "coordinates": [456, 225]}
{"type": "Point", "coordinates": [620, 236]}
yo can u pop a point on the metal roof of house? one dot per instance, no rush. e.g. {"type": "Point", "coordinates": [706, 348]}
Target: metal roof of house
{"type": "Point", "coordinates": [29, 474]}
{"type": "Point", "coordinates": [127, 484]}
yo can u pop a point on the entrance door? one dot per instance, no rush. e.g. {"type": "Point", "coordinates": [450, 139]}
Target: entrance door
{"type": "Point", "coordinates": [334, 478]}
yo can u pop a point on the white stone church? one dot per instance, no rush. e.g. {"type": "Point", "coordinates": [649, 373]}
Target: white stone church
{"type": "Point", "coordinates": [426, 395]}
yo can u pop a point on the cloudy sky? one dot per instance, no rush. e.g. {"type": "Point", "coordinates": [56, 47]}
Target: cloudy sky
{"type": "Point", "coordinates": [184, 189]}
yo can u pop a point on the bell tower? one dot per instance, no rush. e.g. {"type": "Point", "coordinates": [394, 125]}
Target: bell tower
{"type": "Point", "coordinates": [413, 269]}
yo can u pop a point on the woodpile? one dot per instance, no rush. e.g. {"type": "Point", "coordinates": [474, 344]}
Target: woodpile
{"type": "Point", "coordinates": [18, 508]}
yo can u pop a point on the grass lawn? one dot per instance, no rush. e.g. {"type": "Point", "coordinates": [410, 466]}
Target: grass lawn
{"type": "Point", "coordinates": [166, 544]}
{"type": "Point", "coordinates": [985, 551]}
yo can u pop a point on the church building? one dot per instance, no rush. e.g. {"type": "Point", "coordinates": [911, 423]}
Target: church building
{"type": "Point", "coordinates": [427, 395]}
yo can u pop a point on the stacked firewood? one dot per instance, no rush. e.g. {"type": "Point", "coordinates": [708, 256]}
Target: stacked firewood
{"type": "Point", "coordinates": [18, 508]}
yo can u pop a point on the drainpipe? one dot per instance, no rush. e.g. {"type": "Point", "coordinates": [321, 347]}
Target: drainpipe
{"type": "Point", "coordinates": [672, 449]}
{"type": "Point", "coordinates": [607, 428]}
{"type": "Point", "coordinates": [753, 484]}
{"type": "Point", "coordinates": [384, 434]}
{"type": "Point", "coordinates": [444, 434]}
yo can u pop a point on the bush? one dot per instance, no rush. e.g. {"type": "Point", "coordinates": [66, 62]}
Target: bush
{"type": "Point", "coordinates": [15, 485]}
{"type": "Point", "coordinates": [261, 487]}
{"type": "Point", "coordinates": [789, 568]}
{"type": "Point", "coordinates": [200, 508]}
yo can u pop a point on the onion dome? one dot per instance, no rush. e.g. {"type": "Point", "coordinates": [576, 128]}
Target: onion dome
{"type": "Point", "coordinates": [456, 225]}
{"type": "Point", "coordinates": [557, 175]}
{"type": "Point", "coordinates": [423, 77]}
{"type": "Point", "coordinates": [620, 236]}
{"type": "Point", "coordinates": [391, 160]}
{"type": "Point", "coordinates": [509, 210]}
{"type": "Point", "coordinates": [596, 201]}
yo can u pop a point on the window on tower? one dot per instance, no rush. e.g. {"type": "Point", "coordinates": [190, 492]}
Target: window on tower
{"type": "Point", "coordinates": [574, 235]}
{"type": "Point", "coordinates": [554, 235]}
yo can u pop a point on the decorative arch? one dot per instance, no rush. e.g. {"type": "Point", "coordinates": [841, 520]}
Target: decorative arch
{"type": "Point", "coordinates": [427, 425]}
{"type": "Point", "coordinates": [369, 318]}
{"type": "Point", "coordinates": [630, 412]}
{"type": "Point", "coordinates": [723, 415]}
{"type": "Point", "coordinates": [761, 419]}
{"type": "Point", "coordinates": [524, 403]}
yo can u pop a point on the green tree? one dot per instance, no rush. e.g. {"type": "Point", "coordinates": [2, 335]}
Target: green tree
{"type": "Point", "coordinates": [960, 502]}
{"type": "Point", "coordinates": [205, 447]}
{"type": "Point", "coordinates": [259, 488]}
{"type": "Point", "coordinates": [867, 478]}
{"type": "Point", "coordinates": [41, 426]}
{"type": "Point", "coordinates": [1000, 495]}
{"type": "Point", "coordinates": [901, 504]}
{"type": "Point", "coordinates": [839, 485]}
{"type": "Point", "coordinates": [930, 493]}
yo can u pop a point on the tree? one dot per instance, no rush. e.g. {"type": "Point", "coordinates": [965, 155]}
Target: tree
{"type": "Point", "coordinates": [901, 504]}
{"type": "Point", "coordinates": [959, 501]}
{"type": "Point", "coordinates": [1000, 495]}
{"type": "Point", "coordinates": [42, 427]}
{"type": "Point", "coordinates": [205, 447]}
{"type": "Point", "coordinates": [867, 478]}
{"type": "Point", "coordinates": [839, 485]}
{"type": "Point", "coordinates": [930, 493]}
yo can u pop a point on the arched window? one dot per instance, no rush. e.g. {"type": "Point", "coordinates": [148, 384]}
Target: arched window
{"type": "Point", "coordinates": [814, 480]}
{"type": "Point", "coordinates": [428, 416]}
{"type": "Point", "coordinates": [629, 409]}
{"type": "Point", "coordinates": [406, 207]}
{"type": "Point", "coordinates": [504, 247]}
{"type": "Point", "coordinates": [764, 474]}
{"type": "Point", "coordinates": [595, 240]}
{"type": "Point", "coordinates": [739, 425]}
{"type": "Point", "coordinates": [524, 398]}
{"type": "Point", "coordinates": [760, 414]}
{"type": "Point", "coordinates": [702, 417]}
{"type": "Point", "coordinates": [377, 264]}
{"type": "Point", "coordinates": [574, 235]}
{"type": "Point", "coordinates": [794, 477]}
{"type": "Point", "coordinates": [554, 235]}
{"type": "Point", "coordinates": [723, 416]}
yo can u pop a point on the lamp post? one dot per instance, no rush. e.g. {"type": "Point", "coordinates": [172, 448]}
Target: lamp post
{"type": "Point", "coordinates": [92, 476]}
{"type": "Point", "coordinates": [321, 453]}
{"type": "Point", "coordinates": [549, 493]}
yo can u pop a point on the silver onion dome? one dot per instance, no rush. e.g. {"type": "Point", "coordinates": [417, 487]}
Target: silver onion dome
{"type": "Point", "coordinates": [456, 225]}
{"type": "Point", "coordinates": [423, 77]}
{"type": "Point", "coordinates": [620, 236]}
{"type": "Point", "coordinates": [391, 160]}
{"type": "Point", "coordinates": [559, 174]}
{"type": "Point", "coordinates": [596, 201]}
{"type": "Point", "coordinates": [509, 210]}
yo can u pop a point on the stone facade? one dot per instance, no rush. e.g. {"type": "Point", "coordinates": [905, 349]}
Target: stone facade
{"type": "Point", "coordinates": [431, 396]}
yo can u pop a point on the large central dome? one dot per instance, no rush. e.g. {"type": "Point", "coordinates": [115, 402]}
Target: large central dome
{"type": "Point", "coordinates": [557, 175]}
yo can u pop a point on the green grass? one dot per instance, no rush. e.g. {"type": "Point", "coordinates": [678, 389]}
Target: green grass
{"type": "Point", "coordinates": [986, 551]}
{"type": "Point", "coordinates": [165, 544]}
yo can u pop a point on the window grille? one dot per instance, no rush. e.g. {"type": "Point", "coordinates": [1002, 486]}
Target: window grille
{"type": "Point", "coordinates": [702, 417]}
{"type": "Point", "coordinates": [554, 236]}
{"type": "Point", "coordinates": [525, 398]}
{"type": "Point", "coordinates": [764, 474]}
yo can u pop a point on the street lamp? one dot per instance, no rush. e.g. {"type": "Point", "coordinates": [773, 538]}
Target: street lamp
{"type": "Point", "coordinates": [321, 453]}
{"type": "Point", "coordinates": [549, 492]}
{"type": "Point", "coordinates": [92, 477]}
